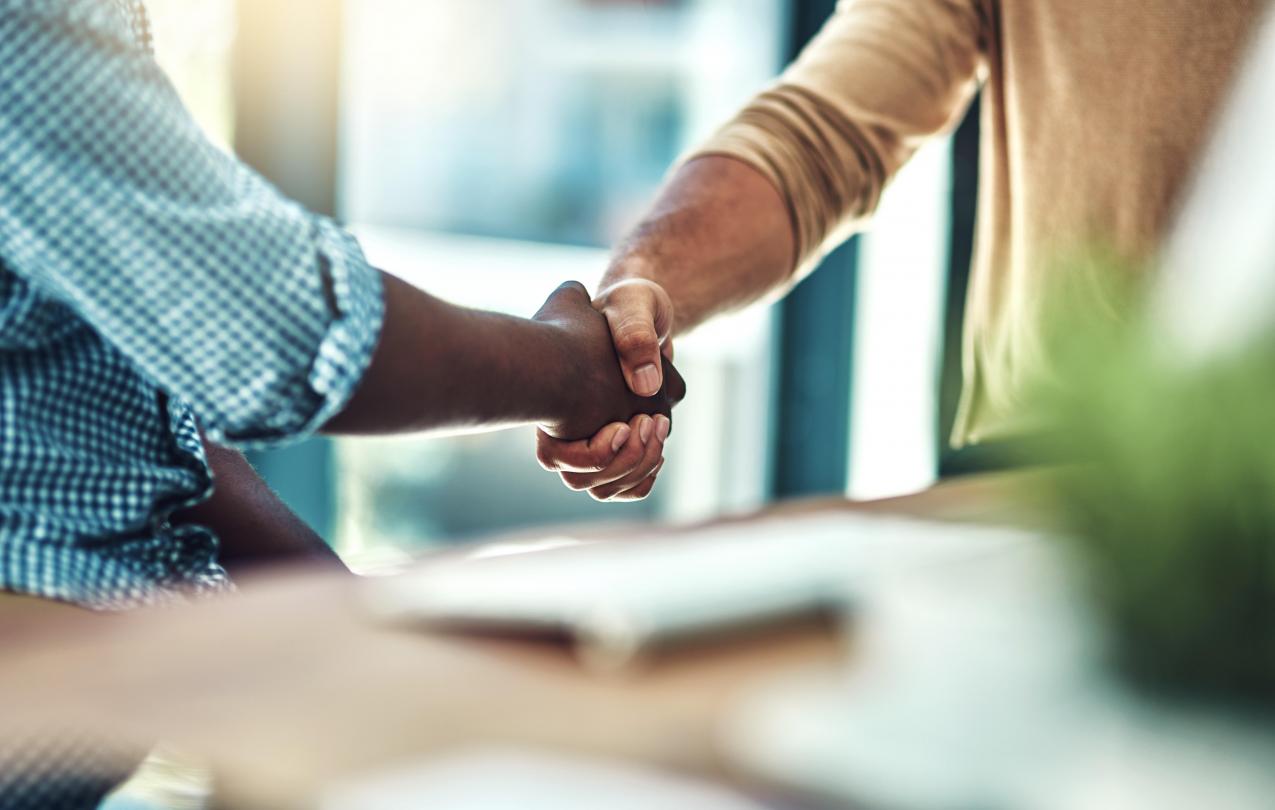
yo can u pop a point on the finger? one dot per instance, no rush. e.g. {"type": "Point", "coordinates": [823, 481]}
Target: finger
{"type": "Point", "coordinates": [642, 490]}
{"type": "Point", "coordinates": [667, 349]}
{"type": "Point", "coordinates": [640, 315]}
{"type": "Point", "coordinates": [663, 427]}
{"type": "Point", "coordinates": [652, 459]}
{"type": "Point", "coordinates": [585, 455]}
{"type": "Point", "coordinates": [638, 493]}
{"type": "Point", "coordinates": [624, 462]}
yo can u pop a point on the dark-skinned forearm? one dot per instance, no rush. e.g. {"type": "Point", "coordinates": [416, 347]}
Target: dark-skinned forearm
{"type": "Point", "coordinates": [253, 526]}
{"type": "Point", "coordinates": [439, 366]}
{"type": "Point", "coordinates": [718, 238]}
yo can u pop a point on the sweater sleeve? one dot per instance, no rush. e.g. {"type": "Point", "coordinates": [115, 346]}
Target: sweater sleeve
{"type": "Point", "coordinates": [881, 78]}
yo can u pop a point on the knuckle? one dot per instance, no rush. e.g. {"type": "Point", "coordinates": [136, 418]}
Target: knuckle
{"type": "Point", "coordinates": [547, 462]}
{"type": "Point", "coordinates": [654, 455]}
{"type": "Point", "coordinates": [639, 492]}
{"type": "Point", "coordinates": [677, 391]}
{"type": "Point", "coordinates": [602, 494]}
{"type": "Point", "coordinates": [598, 460]}
{"type": "Point", "coordinates": [572, 287]}
{"type": "Point", "coordinates": [634, 480]}
{"type": "Point", "coordinates": [675, 384]}
{"type": "Point", "coordinates": [635, 338]}
{"type": "Point", "coordinates": [575, 483]}
{"type": "Point", "coordinates": [629, 457]}
{"type": "Point", "coordinates": [546, 457]}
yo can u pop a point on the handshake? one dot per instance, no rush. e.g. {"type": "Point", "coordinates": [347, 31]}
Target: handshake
{"type": "Point", "coordinates": [612, 420]}
{"type": "Point", "coordinates": [594, 375]}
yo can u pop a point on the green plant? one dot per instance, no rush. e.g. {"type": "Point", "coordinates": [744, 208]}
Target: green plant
{"type": "Point", "coordinates": [1172, 509]}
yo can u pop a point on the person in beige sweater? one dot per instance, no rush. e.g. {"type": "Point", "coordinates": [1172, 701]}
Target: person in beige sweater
{"type": "Point", "coordinates": [1093, 113]}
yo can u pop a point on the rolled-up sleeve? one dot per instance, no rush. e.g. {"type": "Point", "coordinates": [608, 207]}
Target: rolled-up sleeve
{"type": "Point", "coordinates": [226, 294]}
{"type": "Point", "coordinates": [879, 79]}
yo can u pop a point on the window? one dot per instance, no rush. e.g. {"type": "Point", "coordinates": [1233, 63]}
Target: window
{"type": "Point", "coordinates": [487, 152]}
{"type": "Point", "coordinates": [490, 151]}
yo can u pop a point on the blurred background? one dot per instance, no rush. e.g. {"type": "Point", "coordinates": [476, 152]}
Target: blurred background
{"type": "Point", "coordinates": [488, 151]}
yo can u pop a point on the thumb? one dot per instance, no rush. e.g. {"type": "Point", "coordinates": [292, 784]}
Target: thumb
{"type": "Point", "coordinates": [640, 315]}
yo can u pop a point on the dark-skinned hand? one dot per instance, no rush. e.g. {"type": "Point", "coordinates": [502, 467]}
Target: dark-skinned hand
{"type": "Point", "coordinates": [599, 395]}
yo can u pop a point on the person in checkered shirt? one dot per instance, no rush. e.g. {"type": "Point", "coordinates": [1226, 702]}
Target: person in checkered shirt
{"type": "Point", "coordinates": [160, 304]}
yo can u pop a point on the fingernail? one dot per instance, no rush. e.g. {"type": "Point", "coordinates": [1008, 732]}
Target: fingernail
{"type": "Point", "coordinates": [647, 380]}
{"type": "Point", "coordinates": [621, 436]}
{"type": "Point", "coordinates": [644, 428]}
{"type": "Point", "coordinates": [662, 428]}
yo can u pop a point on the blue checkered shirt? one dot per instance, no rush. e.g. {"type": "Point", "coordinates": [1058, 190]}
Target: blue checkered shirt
{"type": "Point", "coordinates": [150, 286]}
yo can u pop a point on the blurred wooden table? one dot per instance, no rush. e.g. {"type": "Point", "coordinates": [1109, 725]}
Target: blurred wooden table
{"type": "Point", "coordinates": [287, 687]}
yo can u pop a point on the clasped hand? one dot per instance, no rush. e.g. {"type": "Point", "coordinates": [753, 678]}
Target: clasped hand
{"type": "Point", "coordinates": [608, 440]}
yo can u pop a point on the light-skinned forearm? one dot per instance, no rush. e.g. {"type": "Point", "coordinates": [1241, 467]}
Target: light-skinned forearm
{"type": "Point", "coordinates": [718, 238]}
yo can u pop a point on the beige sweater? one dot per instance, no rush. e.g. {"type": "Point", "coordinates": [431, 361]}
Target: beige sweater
{"type": "Point", "coordinates": [1093, 112]}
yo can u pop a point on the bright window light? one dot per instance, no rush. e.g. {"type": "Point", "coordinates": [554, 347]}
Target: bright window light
{"type": "Point", "coordinates": [898, 333]}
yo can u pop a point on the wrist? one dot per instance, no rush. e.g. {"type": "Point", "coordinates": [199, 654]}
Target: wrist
{"type": "Point", "coordinates": [629, 266]}
{"type": "Point", "coordinates": [555, 359]}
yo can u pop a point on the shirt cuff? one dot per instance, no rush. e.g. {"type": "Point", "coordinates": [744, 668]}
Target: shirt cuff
{"type": "Point", "coordinates": [345, 352]}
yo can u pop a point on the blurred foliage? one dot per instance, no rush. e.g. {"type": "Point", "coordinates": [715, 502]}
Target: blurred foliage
{"type": "Point", "coordinates": [1172, 509]}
